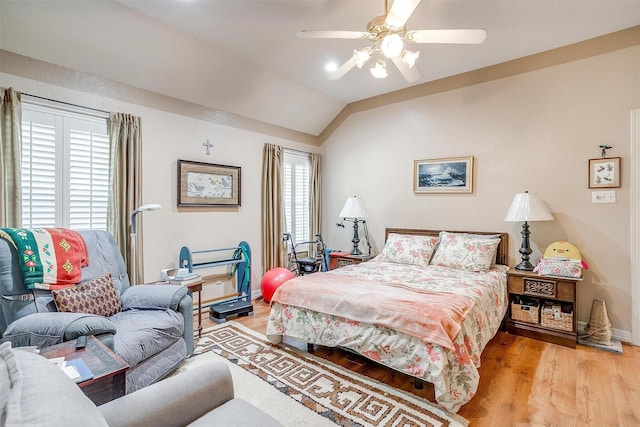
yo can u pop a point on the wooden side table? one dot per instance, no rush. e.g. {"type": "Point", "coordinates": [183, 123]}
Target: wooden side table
{"type": "Point", "coordinates": [529, 293]}
{"type": "Point", "coordinates": [197, 287]}
{"type": "Point", "coordinates": [340, 259]}
{"type": "Point", "coordinates": [109, 370]}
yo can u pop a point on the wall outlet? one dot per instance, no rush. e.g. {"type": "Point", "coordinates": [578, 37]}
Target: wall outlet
{"type": "Point", "coordinates": [603, 196]}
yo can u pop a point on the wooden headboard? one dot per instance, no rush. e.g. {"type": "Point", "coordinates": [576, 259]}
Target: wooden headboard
{"type": "Point", "coordinates": [502, 253]}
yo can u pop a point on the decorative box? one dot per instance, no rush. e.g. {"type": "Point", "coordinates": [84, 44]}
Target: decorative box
{"type": "Point", "coordinates": [559, 267]}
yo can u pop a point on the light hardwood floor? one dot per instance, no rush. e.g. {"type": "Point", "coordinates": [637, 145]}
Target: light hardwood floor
{"type": "Point", "coordinates": [523, 382]}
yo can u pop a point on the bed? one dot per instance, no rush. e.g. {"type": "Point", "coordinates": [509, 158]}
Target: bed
{"type": "Point", "coordinates": [426, 306]}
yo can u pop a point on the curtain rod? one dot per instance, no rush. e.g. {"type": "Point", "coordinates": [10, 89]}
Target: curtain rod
{"type": "Point", "coordinates": [66, 103]}
{"type": "Point", "coordinates": [297, 151]}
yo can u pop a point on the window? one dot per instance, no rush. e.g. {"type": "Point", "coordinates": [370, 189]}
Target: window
{"type": "Point", "coordinates": [65, 168]}
{"type": "Point", "coordinates": [296, 195]}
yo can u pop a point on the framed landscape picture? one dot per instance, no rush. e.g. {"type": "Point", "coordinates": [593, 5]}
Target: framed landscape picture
{"type": "Point", "coordinates": [604, 172]}
{"type": "Point", "coordinates": [452, 175]}
{"type": "Point", "coordinates": [206, 184]}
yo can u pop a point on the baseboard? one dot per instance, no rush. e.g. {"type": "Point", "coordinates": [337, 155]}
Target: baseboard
{"type": "Point", "coordinates": [618, 334]}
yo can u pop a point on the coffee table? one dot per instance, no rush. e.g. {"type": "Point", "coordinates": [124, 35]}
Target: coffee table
{"type": "Point", "coordinates": [109, 370]}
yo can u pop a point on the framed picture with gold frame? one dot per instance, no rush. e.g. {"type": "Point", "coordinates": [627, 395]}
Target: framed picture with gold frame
{"type": "Point", "coordinates": [207, 184]}
{"type": "Point", "coordinates": [451, 175]}
{"type": "Point", "coordinates": [604, 172]}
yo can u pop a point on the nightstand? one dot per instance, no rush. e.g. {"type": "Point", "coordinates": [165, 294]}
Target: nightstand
{"type": "Point", "coordinates": [542, 307]}
{"type": "Point", "coordinates": [340, 259]}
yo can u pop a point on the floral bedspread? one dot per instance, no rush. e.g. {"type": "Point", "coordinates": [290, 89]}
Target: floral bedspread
{"type": "Point", "coordinates": [454, 373]}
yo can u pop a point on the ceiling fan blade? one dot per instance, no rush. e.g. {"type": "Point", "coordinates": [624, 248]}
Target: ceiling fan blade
{"type": "Point", "coordinates": [307, 34]}
{"type": "Point", "coordinates": [400, 11]}
{"type": "Point", "coordinates": [343, 69]}
{"type": "Point", "coordinates": [410, 74]}
{"type": "Point", "coordinates": [447, 36]}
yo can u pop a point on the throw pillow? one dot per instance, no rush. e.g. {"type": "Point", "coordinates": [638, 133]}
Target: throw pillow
{"type": "Point", "coordinates": [408, 249]}
{"type": "Point", "coordinates": [465, 251]}
{"type": "Point", "coordinates": [95, 296]}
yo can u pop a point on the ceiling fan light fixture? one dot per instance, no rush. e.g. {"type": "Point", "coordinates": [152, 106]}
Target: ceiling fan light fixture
{"type": "Point", "coordinates": [361, 56]}
{"type": "Point", "coordinates": [410, 57]}
{"type": "Point", "coordinates": [392, 45]}
{"type": "Point", "coordinates": [388, 35]}
{"type": "Point", "coordinates": [380, 70]}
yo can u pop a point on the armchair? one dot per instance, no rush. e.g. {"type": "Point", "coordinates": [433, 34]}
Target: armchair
{"type": "Point", "coordinates": [38, 393]}
{"type": "Point", "coordinates": [153, 332]}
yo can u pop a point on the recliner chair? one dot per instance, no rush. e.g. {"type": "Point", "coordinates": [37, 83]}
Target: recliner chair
{"type": "Point", "coordinates": [153, 333]}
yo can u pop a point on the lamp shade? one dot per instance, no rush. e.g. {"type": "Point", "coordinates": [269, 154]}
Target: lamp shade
{"type": "Point", "coordinates": [353, 208]}
{"type": "Point", "coordinates": [149, 207]}
{"type": "Point", "coordinates": [528, 207]}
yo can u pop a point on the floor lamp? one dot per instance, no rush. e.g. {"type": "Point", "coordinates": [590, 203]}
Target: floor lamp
{"type": "Point", "coordinates": [143, 208]}
{"type": "Point", "coordinates": [527, 207]}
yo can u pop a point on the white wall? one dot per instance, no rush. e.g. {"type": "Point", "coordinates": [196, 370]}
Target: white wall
{"type": "Point", "coordinates": [534, 131]}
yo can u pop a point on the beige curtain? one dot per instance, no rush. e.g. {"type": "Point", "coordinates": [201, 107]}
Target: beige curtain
{"type": "Point", "coordinates": [273, 249]}
{"type": "Point", "coordinates": [315, 187]}
{"type": "Point", "coordinates": [10, 158]}
{"type": "Point", "coordinates": [126, 187]}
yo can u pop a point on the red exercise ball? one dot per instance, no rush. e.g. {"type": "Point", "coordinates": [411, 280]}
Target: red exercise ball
{"type": "Point", "coordinates": [272, 280]}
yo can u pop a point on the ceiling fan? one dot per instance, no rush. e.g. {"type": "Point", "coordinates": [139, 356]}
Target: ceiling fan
{"type": "Point", "coordinates": [390, 36]}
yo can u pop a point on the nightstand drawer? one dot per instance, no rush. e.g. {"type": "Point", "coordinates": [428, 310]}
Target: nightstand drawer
{"type": "Point", "coordinates": [540, 288]}
{"type": "Point", "coordinates": [344, 261]}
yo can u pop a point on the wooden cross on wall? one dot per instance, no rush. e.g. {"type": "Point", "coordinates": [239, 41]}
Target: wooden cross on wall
{"type": "Point", "coordinates": [208, 145]}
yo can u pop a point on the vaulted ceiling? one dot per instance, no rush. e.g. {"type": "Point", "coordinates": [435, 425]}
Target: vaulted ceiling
{"type": "Point", "coordinates": [244, 57]}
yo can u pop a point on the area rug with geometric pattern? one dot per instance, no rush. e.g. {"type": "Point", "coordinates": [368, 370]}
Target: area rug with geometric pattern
{"type": "Point", "coordinates": [337, 394]}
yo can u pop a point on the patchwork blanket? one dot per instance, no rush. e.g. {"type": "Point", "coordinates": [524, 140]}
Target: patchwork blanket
{"type": "Point", "coordinates": [50, 258]}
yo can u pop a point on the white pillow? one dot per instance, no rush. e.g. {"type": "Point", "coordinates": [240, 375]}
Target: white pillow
{"type": "Point", "coordinates": [471, 252]}
{"type": "Point", "coordinates": [408, 249]}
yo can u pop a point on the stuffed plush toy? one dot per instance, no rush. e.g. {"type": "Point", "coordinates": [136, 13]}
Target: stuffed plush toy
{"type": "Point", "coordinates": [562, 249]}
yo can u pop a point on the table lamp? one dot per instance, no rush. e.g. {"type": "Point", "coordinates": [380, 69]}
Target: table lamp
{"type": "Point", "coordinates": [353, 210]}
{"type": "Point", "coordinates": [527, 207]}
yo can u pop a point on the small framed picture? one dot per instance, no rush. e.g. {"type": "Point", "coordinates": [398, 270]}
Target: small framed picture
{"type": "Point", "coordinates": [452, 175]}
{"type": "Point", "coordinates": [604, 172]}
{"type": "Point", "coordinates": [206, 184]}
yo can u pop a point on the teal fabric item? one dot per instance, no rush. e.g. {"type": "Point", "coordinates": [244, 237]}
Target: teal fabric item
{"type": "Point", "coordinates": [29, 258]}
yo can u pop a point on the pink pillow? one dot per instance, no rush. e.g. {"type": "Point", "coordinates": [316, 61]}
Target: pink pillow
{"type": "Point", "coordinates": [408, 249]}
{"type": "Point", "coordinates": [463, 251]}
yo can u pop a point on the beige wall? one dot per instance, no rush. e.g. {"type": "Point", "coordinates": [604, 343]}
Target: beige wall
{"type": "Point", "coordinates": [534, 131]}
{"type": "Point", "coordinates": [168, 137]}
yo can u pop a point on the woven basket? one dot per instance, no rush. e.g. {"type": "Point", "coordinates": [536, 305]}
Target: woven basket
{"type": "Point", "coordinates": [524, 313]}
{"type": "Point", "coordinates": [562, 321]}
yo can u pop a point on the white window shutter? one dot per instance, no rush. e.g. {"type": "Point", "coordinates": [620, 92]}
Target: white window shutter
{"type": "Point", "coordinates": [88, 180]}
{"type": "Point", "coordinates": [65, 168]}
{"type": "Point", "coordinates": [296, 191]}
{"type": "Point", "coordinates": [39, 173]}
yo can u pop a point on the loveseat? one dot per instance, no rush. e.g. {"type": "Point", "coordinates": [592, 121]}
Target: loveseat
{"type": "Point", "coordinates": [152, 330]}
{"type": "Point", "coordinates": [38, 393]}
